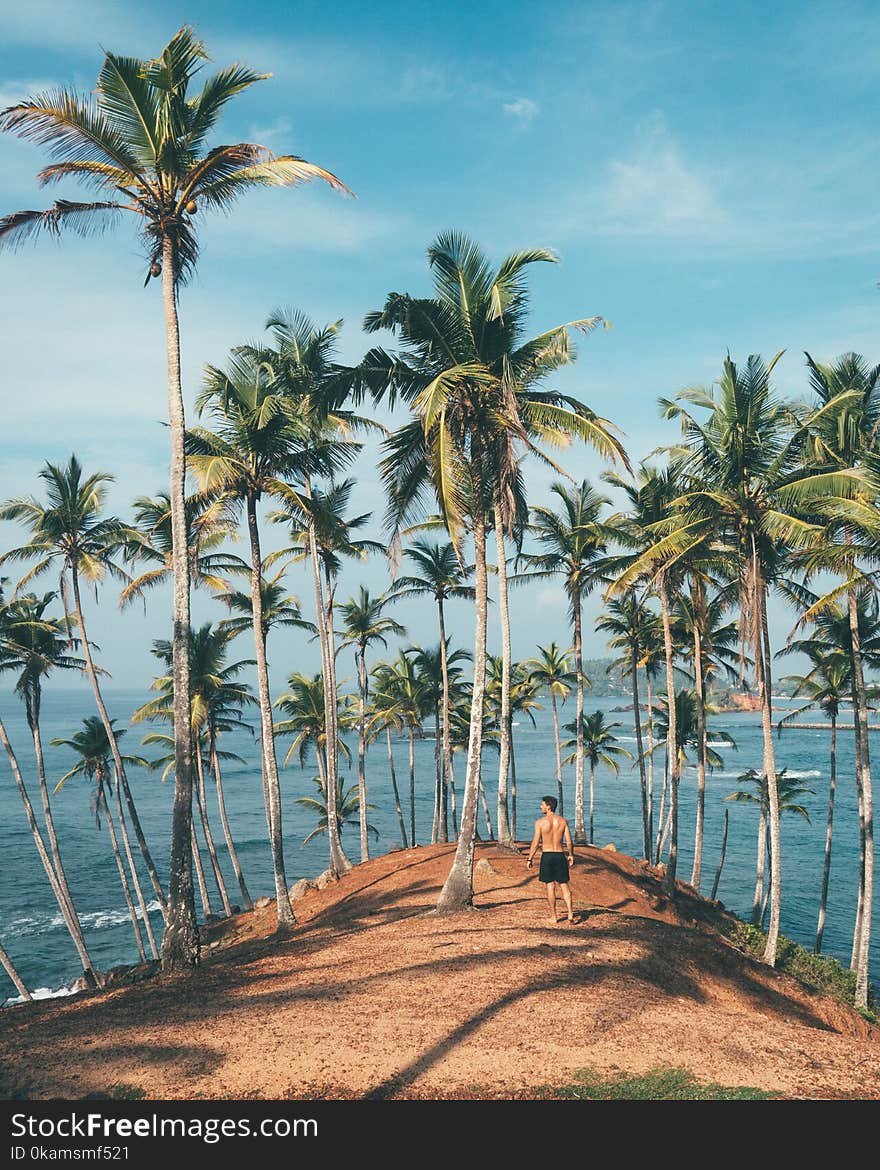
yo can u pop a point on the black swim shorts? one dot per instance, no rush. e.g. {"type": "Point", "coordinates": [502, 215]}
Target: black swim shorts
{"type": "Point", "coordinates": [554, 868]}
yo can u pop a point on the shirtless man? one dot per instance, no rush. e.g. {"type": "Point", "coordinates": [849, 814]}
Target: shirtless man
{"type": "Point", "coordinates": [552, 833]}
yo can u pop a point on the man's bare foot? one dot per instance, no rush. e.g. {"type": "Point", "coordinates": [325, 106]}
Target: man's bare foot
{"type": "Point", "coordinates": [571, 918]}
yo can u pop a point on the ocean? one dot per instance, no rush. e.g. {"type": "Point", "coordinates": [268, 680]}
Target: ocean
{"type": "Point", "coordinates": [32, 931]}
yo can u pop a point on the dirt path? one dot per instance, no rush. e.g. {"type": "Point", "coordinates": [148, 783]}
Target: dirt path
{"type": "Point", "coordinates": [376, 996]}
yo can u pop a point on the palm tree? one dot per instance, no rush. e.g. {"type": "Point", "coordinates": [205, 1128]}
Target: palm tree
{"type": "Point", "coordinates": [143, 140]}
{"type": "Point", "coordinates": [552, 672]}
{"type": "Point", "coordinates": [429, 662]}
{"type": "Point", "coordinates": [10, 632]}
{"type": "Point", "coordinates": [790, 791]}
{"type": "Point", "coordinates": [600, 746]}
{"type": "Point", "coordinates": [400, 681]}
{"type": "Point", "coordinates": [632, 627]}
{"type": "Point", "coordinates": [364, 624]}
{"type": "Point", "coordinates": [208, 526]}
{"type": "Point", "coordinates": [438, 574]}
{"type": "Point", "coordinates": [258, 440]}
{"type": "Point", "coordinates": [69, 531]}
{"type": "Point", "coordinates": [385, 714]}
{"type": "Point", "coordinates": [749, 481]}
{"type": "Point", "coordinates": [348, 808]}
{"type": "Point", "coordinates": [573, 543]}
{"type": "Point", "coordinates": [824, 686]}
{"type": "Point", "coordinates": [304, 705]}
{"type": "Point", "coordinates": [95, 763]}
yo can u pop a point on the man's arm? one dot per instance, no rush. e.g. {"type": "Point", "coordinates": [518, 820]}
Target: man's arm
{"type": "Point", "coordinates": [566, 836]}
{"type": "Point", "coordinates": [536, 840]}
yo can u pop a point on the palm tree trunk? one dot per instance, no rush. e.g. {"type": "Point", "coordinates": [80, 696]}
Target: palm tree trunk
{"type": "Point", "coordinates": [512, 785]}
{"type": "Point", "coordinates": [696, 872]}
{"type": "Point", "coordinates": [506, 834]}
{"type": "Point", "coordinates": [227, 833]}
{"type": "Point", "coordinates": [717, 880]}
{"type": "Point", "coordinates": [661, 824]}
{"type": "Point", "coordinates": [339, 862]}
{"type": "Point", "coordinates": [132, 868]}
{"type": "Point", "coordinates": [452, 799]}
{"type": "Point", "coordinates": [177, 955]}
{"type": "Point", "coordinates": [758, 900]}
{"type": "Point", "coordinates": [123, 880]}
{"type": "Point", "coordinates": [286, 917]}
{"type": "Point", "coordinates": [826, 869]}
{"type": "Point", "coordinates": [671, 740]}
{"type": "Point", "coordinates": [485, 803]}
{"type": "Point", "coordinates": [394, 788]}
{"type": "Point", "coordinates": [558, 746]}
{"type": "Point", "coordinates": [447, 742]}
{"type": "Point", "coordinates": [592, 796]}
{"type": "Point", "coordinates": [650, 698]}
{"type": "Point", "coordinates": [412, 785]}
{"type": "Point", "coordinates": [333, 754]}
{"type": "Point", "coordinates": [200, 872]}
{"type": "Point", "coordinates": [70, 921]}
{"type": "Point", "coordinates": [10, 970]}
{"type": "Point", "coordinates": [646, 828]}
{"type": "Point", "coordinates": [762, 655]}
{"type": "Point", "coordinates": [867, 817]}
{"type": "Point", "coordinates": [580, 832]}
{"type": "Point", "coordinates": [180, 941]}
{"type": "Point", "coordinates": [438, 777]}
{"type": "Point", "coordinates": [458, 889]}
{"type": "Point", "coordinates": [206, 830]}
{"type": "Point", "coordinates": [362, 748]}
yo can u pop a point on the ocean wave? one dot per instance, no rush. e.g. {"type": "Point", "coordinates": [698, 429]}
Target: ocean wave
{"type": "Point", "coordinates": [791, 774]}
{"type": "Point", "coordinates": [39, 993]}
{"type": "Point", "coordinates": [95, 920]}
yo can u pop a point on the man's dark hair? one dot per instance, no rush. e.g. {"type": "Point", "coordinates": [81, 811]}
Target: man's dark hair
{"type": "Point", "coordinates": [551, 801]}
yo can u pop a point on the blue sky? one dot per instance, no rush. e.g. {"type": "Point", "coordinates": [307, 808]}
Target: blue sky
{"type": "Point", "coordinates": [706, 174]}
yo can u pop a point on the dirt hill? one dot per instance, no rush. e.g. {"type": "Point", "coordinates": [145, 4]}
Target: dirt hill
{"type": "Point", "coordinates": [376, 996]}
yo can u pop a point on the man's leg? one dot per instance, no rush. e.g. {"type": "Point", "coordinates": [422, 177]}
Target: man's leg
{"type": "Point", "coordinates": [551, 899]}
{"type": "Point", "coordinates": [566, 894]}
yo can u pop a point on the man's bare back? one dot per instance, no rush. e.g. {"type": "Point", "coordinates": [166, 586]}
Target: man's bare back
{"type": "Point", "coordinates": [553, 836]}
{"type": "Point", "coordinates": [554, 830]}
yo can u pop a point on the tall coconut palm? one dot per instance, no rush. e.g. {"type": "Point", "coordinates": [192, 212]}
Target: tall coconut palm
{"type": "Point", "coordinates": [824, 686]}
{"type": "Point", "coordinates": [600, 746]}
{"type": "Point", "coordinates": [363, 624]}
{"type": "Point", "coordinates": [573, 542]}
{"type": "Point", "coordinates": [95, 763]}
{"type": "Point", "coordinates": [143, 140]}
{"type": "Point", "coordinates": [632, 629]}
{"type": "Point", "coordinates": [552, 672]}
{"type": "Point", "coordinates": [70, 533]}
{"type": "Point", "coordinates": [258, 439]}
{"type": "Point", "coordinates": [438, 574]}
{"type": "Point", "coordinates": [746, 465]}
{"type": "Point", "coordinates": [10, 630]}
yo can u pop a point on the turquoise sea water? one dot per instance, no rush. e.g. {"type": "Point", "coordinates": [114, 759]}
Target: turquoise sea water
{"type": "Point", "coordinates": [33, 933]}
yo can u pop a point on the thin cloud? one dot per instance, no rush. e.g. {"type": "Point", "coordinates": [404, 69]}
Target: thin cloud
{"type": "Point", "coordinates": [523, 110]}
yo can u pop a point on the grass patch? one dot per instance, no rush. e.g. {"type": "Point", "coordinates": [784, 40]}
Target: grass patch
{"type": "Point", "coordinates": [658, 1084]}
{"type": "Point", "coordinates": [818, 972]}
{"type": "Point", "coordinates": [120, 1091]}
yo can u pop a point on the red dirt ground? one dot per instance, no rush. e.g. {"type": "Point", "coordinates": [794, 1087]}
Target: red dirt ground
{"type": "Point", "coordinates": [374, 995]}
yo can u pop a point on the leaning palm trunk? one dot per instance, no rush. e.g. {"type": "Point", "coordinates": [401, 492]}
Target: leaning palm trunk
{"type": "Point", "coordinates": [438, 779]}
{"type": "Point", "coordinates": [485, 803]}
{"type": "Point", "coordinates": [180, 942]}
{"type": "Point", "coordinates": [762, 658]}
{"type": "Point", "coordinates": [70, 920]}
{"type": "Point", "coordinates": [34, 721]}
{"type": "Point", "coordinates": [9, 968]}
{"type": "Point", "coordinates": [123, 779]}
{"type": "Point", "coordinates": [661, 823]}
{"type": "Point", "coordinates": [580, 832]}
{"type": "Point", "coordinates": [671, 741]}
{"type": "Point", "coordinates": [458, 889]}
{"type": "Point", "coordinates": [643, 780]}
{"type": "Point", "coordinates": [200, 871]}
{"type": "Point", "coordinates": [717, 880]}
{"type": "Point", "coordinates": [339, 862]}
{"type": "Point", "coordinates": [505, 835]}
{"type": "Point", "coordinates": [452, 798]}
{"type": "Point", "coordinates": [206, 830]}
{"type": "Point", "coordinates": [362, 748]}
{"type": "Point", "coordinates": [330, 635]}
{"type": "Point", "coordinates": [286, 917]}
{"type": "Point", "coordinates": [826, 869]}
{"type": "Point", "coordinates": [650, 698]}
{"type": "Point", "coordinates": [132, 869]}
{"type": "Point", "coordinates": [696, 872]}
{"type": "Point", "coordinates": [445, 792]}
{"type": "Point", "coordinates": [758, 900]}
{"type": "Point", "coordinates": [394, 788]}
{"type": "Point", "coordinates": [592, 797]}
{"type": "Point", "coordinates": [120, 869]}
{"type": "Point", "coordinates": [412, 785]}
{"type": "Point", "coordinates": [867, 811]}
{"type": "Point", "coordinates": [512, 784]}
{"type": "Point", "coordinates": [227, 832]}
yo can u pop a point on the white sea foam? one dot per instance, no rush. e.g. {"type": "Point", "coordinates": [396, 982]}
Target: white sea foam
{"type": "Point", "coordinates": [39, 993]}
{"type": "Point", "coordinates": [95, 920]}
